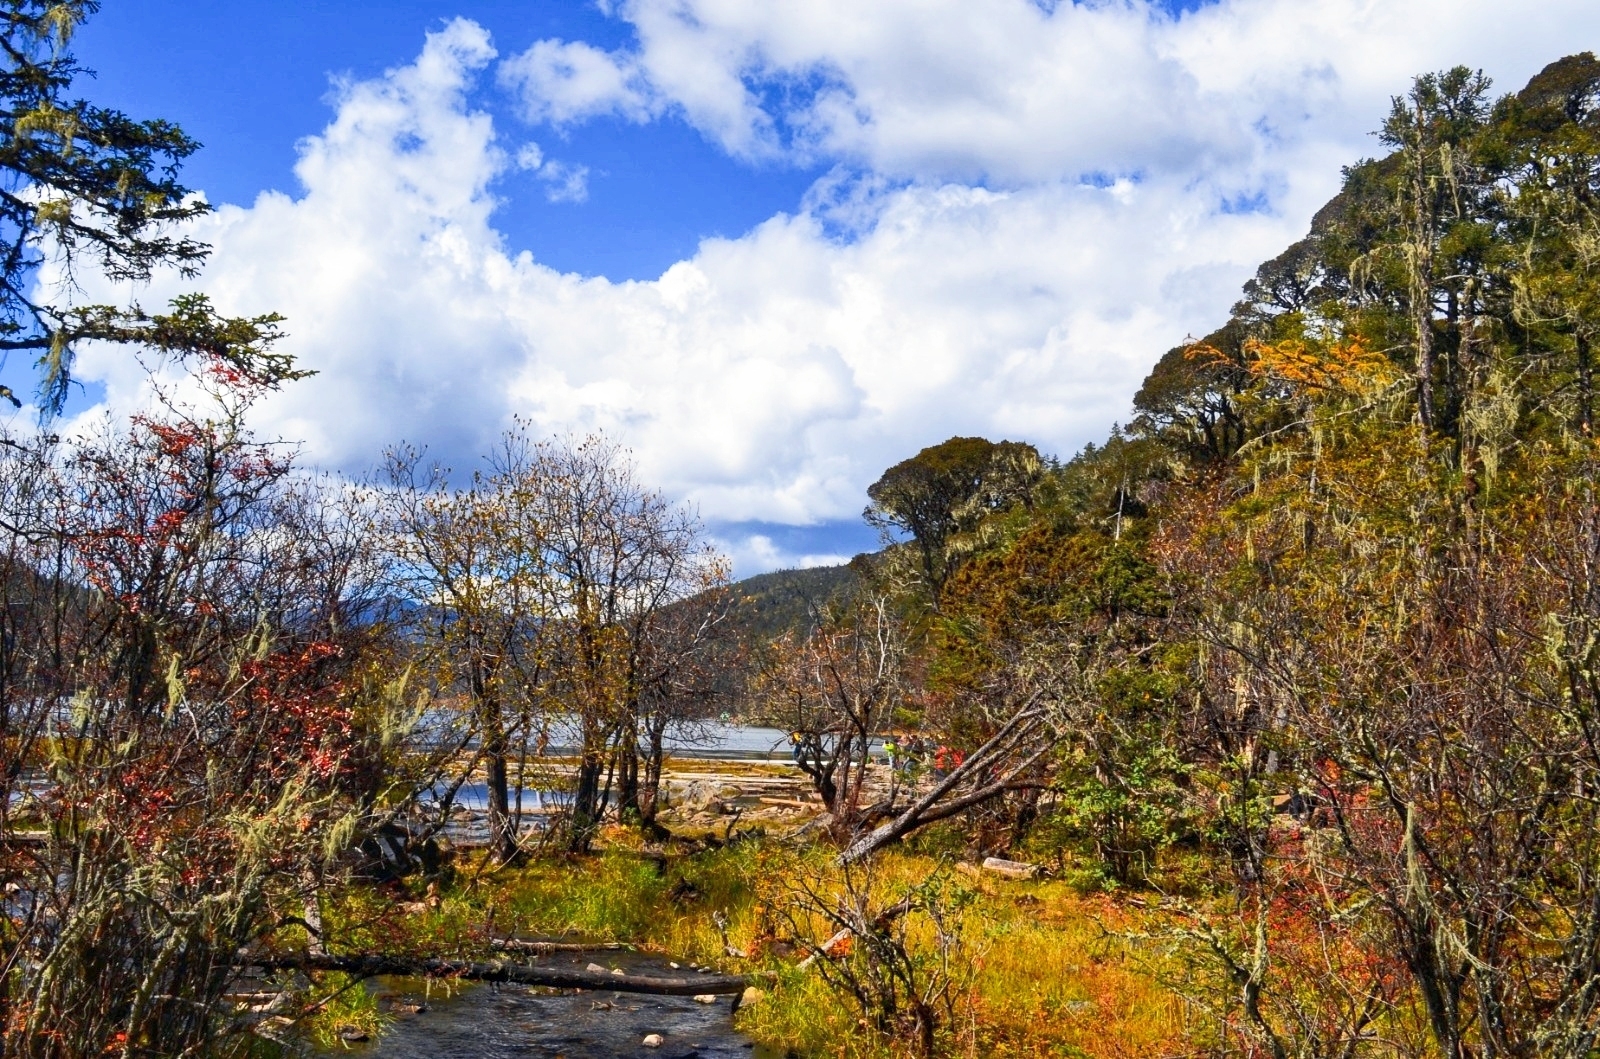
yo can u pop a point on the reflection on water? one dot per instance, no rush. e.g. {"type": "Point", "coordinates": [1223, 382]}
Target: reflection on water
{"type": "Point", "coordinates": [489, 1022]}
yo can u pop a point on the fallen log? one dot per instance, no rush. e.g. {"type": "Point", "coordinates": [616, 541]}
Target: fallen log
{"type": "Point", "coordinates": [25, 838]}
{"type": "Point", "coordinates": [828, 948]}
{"type": "Point", "coordinates": [370, 965]}
{"type": "Point", "coordinates": [540, 947]}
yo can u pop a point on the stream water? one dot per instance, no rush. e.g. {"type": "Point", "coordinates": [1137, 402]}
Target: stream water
{"type": "Point", "coordinates": [501, 1022]}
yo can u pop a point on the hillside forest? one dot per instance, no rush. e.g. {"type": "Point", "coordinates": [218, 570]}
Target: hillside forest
{"type": "Point", "coordinates": [1281, 705]}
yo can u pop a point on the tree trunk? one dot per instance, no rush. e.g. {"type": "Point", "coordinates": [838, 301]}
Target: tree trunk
{"type": "Point", "coordinates": [1422, 271]}
{"type": "Point", "coordinates": [586, 798]}
{"type": "Point", "coordinates": [627, 765]}
{"type": "Point", "coordinates": [502, 833]}
{"type": "Point", "coordinates": [1585, 386]}
{"type": "Point", "coordinates": [931, 807]}
{"type": "Point", "coordinates": [654, 762]}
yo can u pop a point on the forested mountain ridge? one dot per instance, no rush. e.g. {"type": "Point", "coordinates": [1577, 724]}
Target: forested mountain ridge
{"type": "Point", "coordinates": [790, 601]}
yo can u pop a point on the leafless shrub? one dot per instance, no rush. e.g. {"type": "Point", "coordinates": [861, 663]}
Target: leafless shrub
{"type": "Point", "coordinates": [896, 952]}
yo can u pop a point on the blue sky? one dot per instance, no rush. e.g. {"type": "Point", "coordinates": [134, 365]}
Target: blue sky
{"type": "Point", "coordinates": [248, 79]}
{"type": "Point", "coordinates": [772, 247]}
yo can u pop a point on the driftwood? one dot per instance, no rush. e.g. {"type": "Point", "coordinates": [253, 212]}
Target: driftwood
{"type": "Point", "coordinates": [370, 965]}
{"type": "Point", "coordinates": [1011, 869]}
{"type": "Point", "coordinates": [25, 838]}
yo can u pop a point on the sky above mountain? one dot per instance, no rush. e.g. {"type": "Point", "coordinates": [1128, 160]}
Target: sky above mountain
{"type": "Point", "coordinates": [773, 247]}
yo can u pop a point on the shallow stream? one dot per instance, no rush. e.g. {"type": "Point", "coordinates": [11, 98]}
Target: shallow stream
{"type": "Point", "coordinates": [474, 1021]}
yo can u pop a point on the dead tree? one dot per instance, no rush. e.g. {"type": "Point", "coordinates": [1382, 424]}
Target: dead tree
{"type": "Point", "coordinates": [1009, 761]}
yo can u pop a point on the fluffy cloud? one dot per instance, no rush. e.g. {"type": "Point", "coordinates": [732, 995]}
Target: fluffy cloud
{"type": "Point", "coordinates": [563, 181]}
{"type": "Point", "coordinates": [1029, 90]}
{"type": "Point", "coordinates": [771, 376]}
{"type": "Point", "coordinates": [756, 552]}
{"type": "Point", "coordinates": [569, 81]}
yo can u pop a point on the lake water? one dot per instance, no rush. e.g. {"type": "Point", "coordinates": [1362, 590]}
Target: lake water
{"type": "Point", "coordinates": [706, 739]}
{"type": "Point", "coordinates": [475, 797]}
{"type": "Point", "coordinates": [735, 741]}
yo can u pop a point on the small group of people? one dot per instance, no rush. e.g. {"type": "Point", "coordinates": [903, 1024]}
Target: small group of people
{"type": "Point", "coordinates": [908, 757]}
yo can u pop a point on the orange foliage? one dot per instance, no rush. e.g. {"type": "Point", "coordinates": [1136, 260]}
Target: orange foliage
{"type": "Point", "coordinates": [1349, 366]}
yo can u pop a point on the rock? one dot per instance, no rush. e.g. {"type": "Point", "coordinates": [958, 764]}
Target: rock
{"type": "Point", "coordinates": [618, 970]}
{"type": "Point", "coordinates": [751, 995]}
{"type": "Point", "coordinates": [1011, 869]}
{"type": "Point", "coordinates": [672, 965]}
{"type": "Point", "coordinates": [595, 968]}
{"type": "Point", "coordinates": [698, 795]}
{"type": "Point", "coordinates": [705, 998]}
{"type": "Point", "coordinates": [653, 1040]}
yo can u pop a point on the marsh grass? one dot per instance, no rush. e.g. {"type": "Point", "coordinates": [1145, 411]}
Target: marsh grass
{"type": "Point", "coordinates": [1051, 971]}
{"type": "Point", "coordinates": [342, 1006]}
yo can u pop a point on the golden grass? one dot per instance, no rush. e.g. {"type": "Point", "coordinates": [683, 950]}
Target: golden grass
{"type": "Point", "coordinates": [1051, 972]}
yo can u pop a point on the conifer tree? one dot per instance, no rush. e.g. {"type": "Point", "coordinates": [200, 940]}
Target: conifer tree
{"type": "Point", "coordinates": [85, 187]}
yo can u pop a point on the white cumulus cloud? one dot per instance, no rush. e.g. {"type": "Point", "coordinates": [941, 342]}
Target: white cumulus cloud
{"type": "Point", "coordinates": [1019, 90]}
{"type": "Point", "coordinates": [568, 81]}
